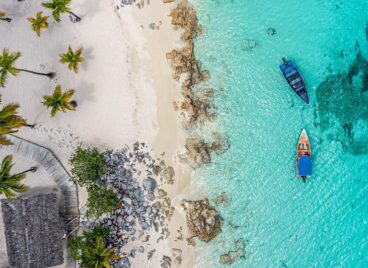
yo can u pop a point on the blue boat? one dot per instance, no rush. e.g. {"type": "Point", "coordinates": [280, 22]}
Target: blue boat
{"type": "Point", "coordinates": [303, 157]}
{"type": "Point", "coordinates": [295, 79]}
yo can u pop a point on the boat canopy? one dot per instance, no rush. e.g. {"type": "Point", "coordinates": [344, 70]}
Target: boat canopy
{"type": "Point", "coordinates": [305, 166]}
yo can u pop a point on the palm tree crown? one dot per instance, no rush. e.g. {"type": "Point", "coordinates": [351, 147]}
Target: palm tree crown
{"type": "Point", "coordinates": [10, 121]}
{"type": "Point", "coordinates": [99, 254]}
{"type": "Point", "coordinates": [59, 7]}
{"type": "Point", "coordinates": [39, 22]}
{"type": "Point", "coordinates": [72, 58]}
{"type": "Point", "coordinates": [10, 184]}
{"type": "Point", "coordinates": [7, 60]}
{"type": "Point", "coordinates": [59, 101]}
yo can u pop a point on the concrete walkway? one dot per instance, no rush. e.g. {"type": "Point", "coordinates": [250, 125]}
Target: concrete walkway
{"type": "Point", "coordinates": [46, 158]}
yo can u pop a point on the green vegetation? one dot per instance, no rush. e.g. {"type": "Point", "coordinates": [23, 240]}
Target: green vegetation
{"type": "Point", "coordinates": [11, 184]}
{"type": "Point", "coordinates": [59, 7]}
{"type": "Point", "coordinates": [3, 16]}
{"type": "Point", "coordinates": [10, 122]}
{"type": "Point", "coordinates": [39, 22]}
{"type": "Point", "coordinates": [7, 60]}
{"type": "Point", "coordinates": [88, 166]}
{"type": "Point", "coordinates": [101, 200]}
{"type": "Point", "coordinates": [60, 101]}
{"type": "Point", "coordinates": [90, 250]}
{"type": "Point", "coordinates": [72, 58]}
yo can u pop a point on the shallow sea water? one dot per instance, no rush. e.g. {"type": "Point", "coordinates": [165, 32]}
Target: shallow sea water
{"type": "Point", "coordinates": [283, 221]}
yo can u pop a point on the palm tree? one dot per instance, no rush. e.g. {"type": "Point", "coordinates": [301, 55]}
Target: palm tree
{"type": "Point", "coordinates": [39, 22]}
{"type": "Point", "coordinates": [10, 122]}
{"type": "Point", "coordinates": [58, 7]}
{"type": "Point", "coordinates": [11, 184]}
{"type": "Point", "coordinates": [7, 60]}
{"type": "Point", "coordinates": [60, 101]}
{"type": "Point", "coordinates": [72, 58]}
{"type": "Point", "coordinates": [2, 17]}
{"type": "Point", "coordinates": [99, 255]}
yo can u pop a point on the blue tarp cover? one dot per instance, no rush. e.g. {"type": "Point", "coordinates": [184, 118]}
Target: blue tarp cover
{"type": "Point", "coordinates": [305, 166]}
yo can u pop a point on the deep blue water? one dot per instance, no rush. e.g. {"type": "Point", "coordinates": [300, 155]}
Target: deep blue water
{"type": "Point", "coordinates": [282, 221]}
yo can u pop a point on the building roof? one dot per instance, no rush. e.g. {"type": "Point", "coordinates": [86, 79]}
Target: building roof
{"type": "Point", "coordinates": [32, 230]}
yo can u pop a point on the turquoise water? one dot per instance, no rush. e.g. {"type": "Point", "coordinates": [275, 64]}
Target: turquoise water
{"type": "Point", "coordinates": [284, 222]}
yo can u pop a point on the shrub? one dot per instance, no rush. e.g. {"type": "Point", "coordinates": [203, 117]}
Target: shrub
{"type": "Point", "coordinates": [88, 166]}
{"type": "Point", "coordinates": [89, 249]}
{"type": "Point", "coordinates": [101, 200]}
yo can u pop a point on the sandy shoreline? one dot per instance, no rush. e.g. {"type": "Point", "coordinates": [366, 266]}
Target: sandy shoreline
{"type": "Point", "coordinates": [125, 90]}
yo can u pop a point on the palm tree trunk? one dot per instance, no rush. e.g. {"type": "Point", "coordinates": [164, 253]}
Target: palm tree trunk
{"type": "Point", "coordinates": [6, 19]}
{"type": "Point", "coordinates": [49, 75]}
{"type": "Point", "coordinates": [30, 125]}
{"type": "Point", "coordinates": [77, 18]}
{"type": "Point", "coordinates": [32, 169]}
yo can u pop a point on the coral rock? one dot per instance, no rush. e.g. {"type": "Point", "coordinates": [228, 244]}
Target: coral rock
{"type": "Point", "coordinates": [203, 221]}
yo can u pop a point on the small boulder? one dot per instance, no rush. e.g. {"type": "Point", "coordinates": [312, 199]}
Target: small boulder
{"type": "Point", "coordinates": [149, 184]}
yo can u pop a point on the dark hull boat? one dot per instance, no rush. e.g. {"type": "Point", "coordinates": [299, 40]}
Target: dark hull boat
{"type": "Point", "coordinates": [295, 79]}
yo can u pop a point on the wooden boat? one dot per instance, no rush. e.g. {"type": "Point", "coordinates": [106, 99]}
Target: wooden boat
{"type": "Point", "coordinates": [303, 157]}
{"type": "Point", "coordinates": [294, 79]}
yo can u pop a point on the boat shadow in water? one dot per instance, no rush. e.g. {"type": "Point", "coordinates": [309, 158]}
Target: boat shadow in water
{"type": "Point", "coordinates": [343, 106]}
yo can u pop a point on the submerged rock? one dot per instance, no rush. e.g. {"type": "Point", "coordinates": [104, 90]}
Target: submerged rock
{"type": "Point", "coordinates": [248, 44]}
{"type": "Point", "coordinates": [199, 151]}
{"type": "Point", "coordinates": [222, 199]}
{"type": "Point", "coordinates": [203, 221]}
{"type": "Point", "coordinates": [271, 31]}
{"type": "Point", "coordinates": [233, 255]}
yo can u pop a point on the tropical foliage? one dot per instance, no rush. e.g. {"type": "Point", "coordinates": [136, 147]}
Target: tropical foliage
{"type": "Point", "coordinates": [72, 58]}
{"type": "Point", "coordinates": [39, 22]}
{"type": "Point", "coordinates": [59, 7]}
{"type": "Point", "coordinates": [10, 184]}
{"type": "Point", "coordinates": [88, 166]}
{"type": "Point", "coordinates": [60, 101]}
{"type": "Point", "coordinates": [10, 122]}
{"type": "Point", "coordinates": [101, 200]}
{"type": "Point", "coordinates": [90, 250]}
{"type": "Point", "coordinates": [7, 60]}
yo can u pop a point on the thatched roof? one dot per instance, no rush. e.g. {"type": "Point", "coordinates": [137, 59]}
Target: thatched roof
{"type": "Point", "coordinates": [32, 231]}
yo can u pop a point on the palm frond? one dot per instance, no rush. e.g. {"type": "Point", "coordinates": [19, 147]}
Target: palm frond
{"type": "Point", "coordinates": [7, 60]}
{"type": "Point", "coordinates": [59, 101]}
{"type": "Point", "coordinates": [58, 7]}
{"type": "Point", "coordinates": [10, 184]}
{"type": "Point", "coordinates": [38, 23]}
{"type": "Point", "coordinates": [72, 58]}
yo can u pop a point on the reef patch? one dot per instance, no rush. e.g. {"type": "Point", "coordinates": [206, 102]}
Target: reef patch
{"type": "Point", "coordinates": [343, 106]}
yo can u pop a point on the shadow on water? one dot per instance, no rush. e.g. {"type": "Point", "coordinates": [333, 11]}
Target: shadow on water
{"type": "Point", "coordinates": [343, 106]}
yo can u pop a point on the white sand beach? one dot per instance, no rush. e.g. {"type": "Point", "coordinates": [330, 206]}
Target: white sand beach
{"type": "Point", "coordinates": [124, 89]}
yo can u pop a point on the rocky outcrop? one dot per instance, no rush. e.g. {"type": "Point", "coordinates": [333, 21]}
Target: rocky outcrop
{"type": "Point", "coordinates": [198, 151]}
{"type": "Point", "coordinates": [196, 106]}
{"type": "Point", "coordinates": [184, 65]}
{"type": "Point", "coordinates": [167, 175]}
{"type": "Point", "coordinates": [185, 17]}
{"type": "Point", "coordinates": [233, 255]}
{"type": "Point", "coordinates": [203, 221]}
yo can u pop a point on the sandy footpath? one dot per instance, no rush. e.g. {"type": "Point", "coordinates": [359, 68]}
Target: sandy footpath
{"type": "Point", "coordinates": [124, 89]}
